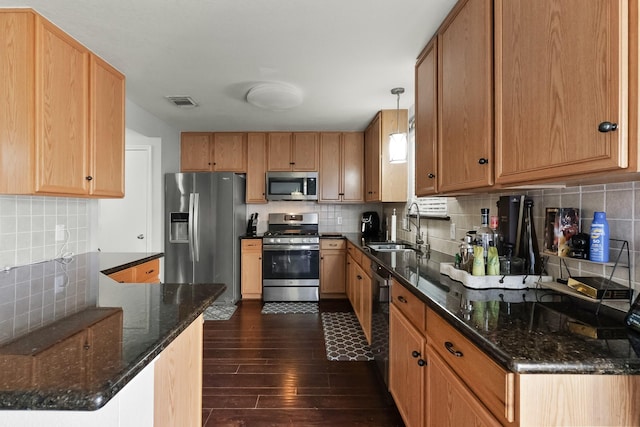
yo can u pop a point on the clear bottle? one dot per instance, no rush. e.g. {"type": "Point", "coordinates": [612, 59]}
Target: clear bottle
{"type": "Point", "coordinates": [529, 242]}
{"type": "Point", "coordinates": [498, 238]}
{"type": "Point", "coordinates": [484, 235]}
{"type": "Point", "coordinates": [466, 254]}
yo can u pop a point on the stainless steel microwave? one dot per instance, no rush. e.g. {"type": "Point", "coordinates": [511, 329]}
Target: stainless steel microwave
{"type": "Point", "coordinates": [292, 186]}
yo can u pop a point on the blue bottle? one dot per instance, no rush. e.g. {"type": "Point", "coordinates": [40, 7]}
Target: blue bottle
{"type": "Point", "coordinates": [599, 238]}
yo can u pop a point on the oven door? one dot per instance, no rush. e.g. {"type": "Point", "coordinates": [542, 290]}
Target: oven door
{"type": "Point", "coordinates": [290, 264]}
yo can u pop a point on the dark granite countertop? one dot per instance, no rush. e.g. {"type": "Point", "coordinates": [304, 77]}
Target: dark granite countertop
{"type": "Point", "coordinates": [71, 338]}
{"type": "Point", "coordinates": [525, 331]}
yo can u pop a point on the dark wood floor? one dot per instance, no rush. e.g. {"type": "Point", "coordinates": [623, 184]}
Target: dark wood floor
{"type": "Point", "coordinates": [271, 370]}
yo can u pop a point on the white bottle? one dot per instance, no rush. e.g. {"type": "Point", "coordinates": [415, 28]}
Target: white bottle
{"type": "Point", "coordinates": [393, 226]}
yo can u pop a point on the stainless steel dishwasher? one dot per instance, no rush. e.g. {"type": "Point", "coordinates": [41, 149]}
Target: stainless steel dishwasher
{"type": "Point", "coordinates": [380, 319]}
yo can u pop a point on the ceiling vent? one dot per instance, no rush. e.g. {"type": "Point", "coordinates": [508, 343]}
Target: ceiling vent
{"type": "Point", "coordinates": [182, 101]}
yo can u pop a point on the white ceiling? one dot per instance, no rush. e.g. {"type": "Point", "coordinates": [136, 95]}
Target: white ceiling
{"type": "Point", "coordinates": [345, 55]}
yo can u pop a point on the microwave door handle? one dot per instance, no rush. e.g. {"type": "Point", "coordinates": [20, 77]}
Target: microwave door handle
{"type": "Point", "coordinates": [196, 227]}
{"type": "Point", "coordinates": [304, 186]}
{"type": "Point", "coordinates": [190, 226]}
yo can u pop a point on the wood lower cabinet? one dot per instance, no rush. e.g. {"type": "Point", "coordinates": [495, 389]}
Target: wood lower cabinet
{"type": "Point", "coordinates": [66, 132]}
{"type": "Point", "coordinates": [332, 268]}
{"type": "Point", "coordinates": [213, 152]}
{"type": "Point", "coordinates": [292, 151]}
{"type": "Point", "coordinates": [256, 168]}
{"type": "Point", "coordinates": [449, 400]}
{"type": "Point", "coordinates": [251, 265]}
{"type": "Point", "coordinates": [465, 97]}
{"type": "Point", "coordinates": [406, 368]}
{"type": "Point", "coordinates": [341, 167]}
{"type": "Point", "coordinates": [148, 272]}
{"type": "Point", "coordinates": [561, 70]}
{"type": "Point", "coordinates": [384, 181]}
{"type": "Point", "coordinates": [178, 380]}
{"type": "Point", "coordinates": [360, 288]}
{"type": "Point", "coordinates": [426, 121]}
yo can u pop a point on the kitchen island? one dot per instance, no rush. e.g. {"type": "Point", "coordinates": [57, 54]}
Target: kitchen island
{"type": "Point", "coordinates": [520, 357]}
{"type": "Point", "coordinates": [81, 348]}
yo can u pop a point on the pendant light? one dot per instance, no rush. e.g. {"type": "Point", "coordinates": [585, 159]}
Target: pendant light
{"type": "Point", "coordinates": [398, 140]}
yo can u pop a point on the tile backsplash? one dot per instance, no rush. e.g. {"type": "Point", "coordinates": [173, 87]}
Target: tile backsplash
{"type": "Point", "coordinates": [620, 201]}
{"type": "Point", "coordinates": [28, 228]}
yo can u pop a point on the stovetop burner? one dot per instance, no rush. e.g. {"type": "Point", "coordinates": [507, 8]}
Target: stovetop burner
{"type": "Point", "coordinates": [291, 233]}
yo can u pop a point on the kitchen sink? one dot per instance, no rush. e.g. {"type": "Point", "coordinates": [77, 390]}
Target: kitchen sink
{"type": "Point", "coordinates": [389, 247]}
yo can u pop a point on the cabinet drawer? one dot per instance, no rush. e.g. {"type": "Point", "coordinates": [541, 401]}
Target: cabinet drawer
{"type": "Point", "coordinates": [355, 253]}
{"type": "Point", "coordinates": [148, 272]}
{"type": "Point", "coordinates": [409, 304]}
{"type": "Point", "coordinates": [123, 276]}
{"type": "Point", "coordinates": [492, 385]}
{"type": "Point", "coordinates": [251, 245]}
{"type": "Point", "coordinates": [333, 244]}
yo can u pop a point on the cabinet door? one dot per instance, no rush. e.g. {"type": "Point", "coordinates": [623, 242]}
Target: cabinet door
{"type": "Point", "coordinates": [16, 98]}
{"type": "Point", "coordinates": [366, 305]}
{"type": "Point", "coordinates": [195, 152]}
{"type": "Point", "coordinates": [230, 152]}
{"type": "Point", "coordinates": [426, 120]}
{"type": "Point", "coordinates": [449, 401]}
{"type": "Point", "coordinates": [330, 170]}
{"type": "Point", "coordinates": [251, 276]}
{"type": "Point", "coordinates": [406, 376]}
{"type": "Point", "coordinates": [62, 112]}
{"type": "Point", "coordinates": [124, 276]}
{"type": "Point", "coordinates": [279, 151]}
{"type": "Point", "coordinates": [304, 151]}
{"type": "Point", "coordinates": [465, 116]}
{"type": "Point", "coordinates": [332, 273]}
{"type": "Point", "coordinates": [352, 167]}
{"type": "Point", "coordinates": [148, 272]}
{"type": "Point", "coordinates": [560, 68]}
{"type": "Point", "coordinates": [107, 130]}
{"type": "Point", "coordinates": [372, 161]}
{"type": "Point", "coordinates": [256, 167]}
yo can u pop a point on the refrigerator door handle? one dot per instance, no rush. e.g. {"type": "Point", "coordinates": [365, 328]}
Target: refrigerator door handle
{"type": "Point", "coordinates": [196, 227]}
{"type": "Point", "coordinates": [190, 226]}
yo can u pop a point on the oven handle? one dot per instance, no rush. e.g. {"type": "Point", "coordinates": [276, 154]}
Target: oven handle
{"type": "Point", "coordinates": [267, 248]}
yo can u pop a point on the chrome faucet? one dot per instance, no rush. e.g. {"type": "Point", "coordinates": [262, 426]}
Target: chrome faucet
{"type": "Point", "coordinates": [420, 243]}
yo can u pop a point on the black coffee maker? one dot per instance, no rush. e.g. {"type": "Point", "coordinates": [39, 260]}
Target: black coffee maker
{"type": "Point", "coordinates": [370, 225]}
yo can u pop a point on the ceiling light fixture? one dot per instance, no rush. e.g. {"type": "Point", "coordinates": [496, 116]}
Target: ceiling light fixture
{"type": "Point", "coordinates": [398, 140]}
{"type": "Point", "coordinates": [274, 96]}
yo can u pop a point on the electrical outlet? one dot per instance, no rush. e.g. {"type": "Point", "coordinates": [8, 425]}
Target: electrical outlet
{"type": "Point", "coordinates": [339, 219]}
{"type": "Point", "coordinates": [452, 231]}
{"type": "Point", "coordinates": [59, 232]}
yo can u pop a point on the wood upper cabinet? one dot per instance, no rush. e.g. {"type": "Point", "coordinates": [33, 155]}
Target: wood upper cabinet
{"type": "Point", "coordinates": [195, 151]}
{"type": "Point", "coordinates": [256, 167]}
{"type": "Point", "coordinates": [426, 121]}
{"type": "Point", "coordinates": [297, 151]}
{"type": "Point", "coordinates": [561, 71]}
{"type": "Point", "coordinates": [341, 167]}
{"type": "Point", "coordinates": [251, 262]}
{"type": "Point", "coordinates": [384, 181]}
{"type": "Point", "coordinates": [465, 97]}
{"type": "Point", "coordinates": [107, 130]}
{"type": "Point", "coordinates": [65, 135]}
{"type": "Point", "coordinates": [213, 152]}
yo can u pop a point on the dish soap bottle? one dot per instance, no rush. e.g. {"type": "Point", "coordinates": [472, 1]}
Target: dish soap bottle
{"type": "Point", "coordinates": [599, 238]}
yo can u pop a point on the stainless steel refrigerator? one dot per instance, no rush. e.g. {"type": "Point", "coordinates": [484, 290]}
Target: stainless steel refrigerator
{"type": "Point", "coordinates": [205, 214]}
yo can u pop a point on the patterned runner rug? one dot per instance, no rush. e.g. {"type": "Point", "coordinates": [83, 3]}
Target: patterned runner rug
{"type": "Point", "coordinates": [290, 308]}
{"type": "Point", "coordinates": [344, 339]}
{"type": "Point", "coordinates": [219, 312]}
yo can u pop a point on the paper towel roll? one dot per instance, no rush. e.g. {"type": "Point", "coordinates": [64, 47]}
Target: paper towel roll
{"type": "Point", "coordinates": [393, 226]}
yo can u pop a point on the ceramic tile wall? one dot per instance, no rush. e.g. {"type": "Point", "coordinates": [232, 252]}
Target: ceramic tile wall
{"type": "Point", "coordinates": [341, 218]}
{"type": "Point", "coordinates": [28, 224]}
{"type": "Point", "coordinates": [621, 202]}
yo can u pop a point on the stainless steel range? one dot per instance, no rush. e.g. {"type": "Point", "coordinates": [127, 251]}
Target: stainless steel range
{"type": "Point", "coordinates": [291, 258]}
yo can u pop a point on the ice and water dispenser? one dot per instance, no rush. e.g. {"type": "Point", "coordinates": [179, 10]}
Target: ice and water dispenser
{"type": "Point", "coordinates": [179, 227]}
